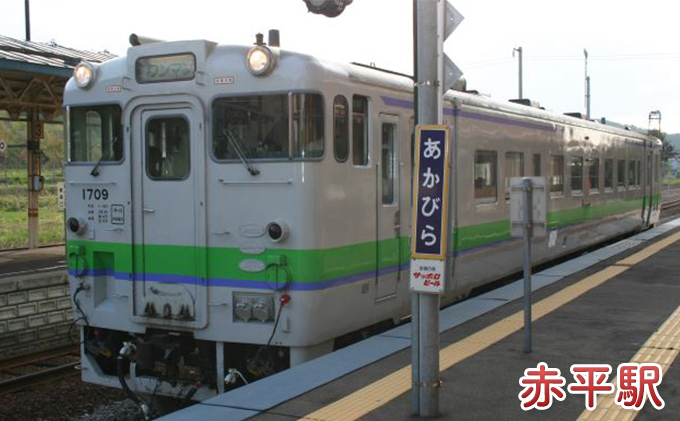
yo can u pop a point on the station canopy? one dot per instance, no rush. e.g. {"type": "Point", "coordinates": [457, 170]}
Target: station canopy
{"type": "Point", "coordinates": [33, 75]}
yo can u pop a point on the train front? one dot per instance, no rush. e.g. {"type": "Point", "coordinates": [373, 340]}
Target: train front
{"type": "Point", "coordinates": [184, 162]}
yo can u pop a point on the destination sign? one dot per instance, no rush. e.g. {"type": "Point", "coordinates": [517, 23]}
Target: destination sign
{"type": "Point", "coordinates": [166, 68]}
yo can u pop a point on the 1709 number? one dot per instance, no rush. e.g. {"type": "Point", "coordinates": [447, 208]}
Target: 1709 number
{"type": "Point", "coordinates": [95, 194]}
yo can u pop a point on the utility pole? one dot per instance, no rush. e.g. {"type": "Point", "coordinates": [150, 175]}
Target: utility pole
{"type": "Point", "coordinates": [654, 115]}
{"type": "Point", "coordinates": [585, 53]}
{"type": "Point", "coordinates": [28, 20]}
{"type": "Point", "coordinates": [519, 52]}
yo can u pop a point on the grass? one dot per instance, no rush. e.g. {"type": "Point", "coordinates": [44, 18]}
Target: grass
{"type": "Point", "coordinates": [14, 210]}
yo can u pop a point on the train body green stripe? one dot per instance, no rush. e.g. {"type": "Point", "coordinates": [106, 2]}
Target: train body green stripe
{"type": "Point", "coordinates": [306, 265]}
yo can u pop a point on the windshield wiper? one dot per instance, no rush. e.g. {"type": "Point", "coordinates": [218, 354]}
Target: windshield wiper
{"type": "Point", "coordinates": [239, 152]}
{"type": "Point", "coordinates": [105, 155]}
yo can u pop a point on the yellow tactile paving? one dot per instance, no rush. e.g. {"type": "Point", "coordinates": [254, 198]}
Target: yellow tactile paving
{"type": "Point", "coordinates": [661, 348]}
{"type": "Point", "coordinates": [377, 394]}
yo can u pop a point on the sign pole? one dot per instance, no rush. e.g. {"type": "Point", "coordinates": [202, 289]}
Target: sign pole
{"type": "Point", "coordinates": [526, 258]}
{"type": "Point", "coordinates": [435, 74]}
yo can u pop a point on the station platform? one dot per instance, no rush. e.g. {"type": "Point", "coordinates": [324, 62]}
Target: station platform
{"type": "Point", "coordinates": [617, 305]}
{"type": "Point", "coordinates": [26, 261]}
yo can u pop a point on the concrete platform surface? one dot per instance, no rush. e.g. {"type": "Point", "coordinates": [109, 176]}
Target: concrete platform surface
{"type": "Point", "coordinates": [24, 261]}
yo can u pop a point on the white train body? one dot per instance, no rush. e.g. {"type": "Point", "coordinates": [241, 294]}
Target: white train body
{"type": "Point", "coordinates": [185, 249]}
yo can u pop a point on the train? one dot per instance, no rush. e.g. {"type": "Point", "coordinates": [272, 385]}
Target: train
{"type": "Point", "coordinates": [232, 211]}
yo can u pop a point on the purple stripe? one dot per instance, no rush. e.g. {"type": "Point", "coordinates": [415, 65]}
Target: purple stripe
{"type": "Point", "coordinates": [236, 283]}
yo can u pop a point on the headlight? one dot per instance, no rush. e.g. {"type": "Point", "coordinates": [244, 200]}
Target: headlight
{"type": "Point", "coordinates": [84, 74]}
{"type": "Point", "coordinates": [260, 60]}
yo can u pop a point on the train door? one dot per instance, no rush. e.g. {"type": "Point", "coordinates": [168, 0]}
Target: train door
{"type": "Point", "coordinates": [388, 208]}
{"type": "Point", "coordinates": [648, 191]}
{"type": "Point", "coordinates": [170, 282]}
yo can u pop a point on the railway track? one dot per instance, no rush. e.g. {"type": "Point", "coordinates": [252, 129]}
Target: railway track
{"type": "Point", "coordinates": [49, 374]}
{"type": "Point", "coordinates": [670, 207]}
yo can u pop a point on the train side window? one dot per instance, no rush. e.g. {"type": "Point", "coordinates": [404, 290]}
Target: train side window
{"type": "Point", "coordinates": [608, 175]}
{"type": "Point", "coordinates": [514, 167]}
{"type": "Point", "coordinates": [360, 130]}
{"type": "Point", "coordinates": [576, 165]}
{"type": "Point", "coordinates": [631, 174]}
{"type": "Point", "coordinates": [556, 175]}
{"type": "Point", "coordinates": [537, 164]}
{"type": "Point", "coordinates": [95, 134]}
{"type": "Point", "coordinates": [340, 128]}
{"type": "Point", "coordinates": [485, 176]}
{"type": "Point", "coordinates": [167, 148]}
{"type": "Point", "coordinates": [594, 174]}
{"type": "Point", "coordinates": [638, 174]}
{"type": "Point", "coordinates": [388, 163]}
{"type": "Point", "coordinates": [308, 126]}
{"type": "Point", "coordinates": [621, 174]}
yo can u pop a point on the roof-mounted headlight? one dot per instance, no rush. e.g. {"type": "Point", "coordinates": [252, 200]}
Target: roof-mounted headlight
{"type": "Point", "coordinates": [260, 60]}
{"type": "Point", "coordinates": [84, 74]}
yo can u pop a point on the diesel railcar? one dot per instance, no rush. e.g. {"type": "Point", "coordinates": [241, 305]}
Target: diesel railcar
{"type": "Point", "coordinates": [236, 210]}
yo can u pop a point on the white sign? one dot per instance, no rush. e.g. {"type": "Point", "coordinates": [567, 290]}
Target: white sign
{"type": "Point", "coordinates": [539, 214]}
{"type": "Point", "coordinates": [427, 275]}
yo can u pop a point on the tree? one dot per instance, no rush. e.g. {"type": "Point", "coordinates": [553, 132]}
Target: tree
{"type": "Point", "coordinates": [667, 149]}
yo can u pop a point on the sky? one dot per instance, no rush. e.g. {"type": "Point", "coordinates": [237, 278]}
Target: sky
{"type": "Point", "coordinates": [634, 57]}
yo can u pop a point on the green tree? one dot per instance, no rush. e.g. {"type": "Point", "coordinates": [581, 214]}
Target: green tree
{"type": "Point", "coordinates": [667, 149]}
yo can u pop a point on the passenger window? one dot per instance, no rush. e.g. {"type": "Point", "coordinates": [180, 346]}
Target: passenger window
{"type": "Point", "coordinates": [638, 173]}
{"type": "Point", "coordinates": [360, 130]}
{"type": "Point", "coordinates": [621, 174]}
{"type": "Point", "coordinates": [537, 164]}
{"type": "Point", "coordinates": [609, 174]}
{"type": "Point", "coordinates": [340, 128]}
{"type": "Point", "coordinates": [308, 126]}
{"type": "Point", "coordinates": [388, 163]}
{"type": "Point", "coordinates": [631, 174]}
{"type": "Point", "coordinates": [167, 148]}
{"type": "Point", "coordinates": [485, 176]}
{"type": "Point", "coordinates": [514, 167]}
{"type": "Point", "coordinates": [594, 175]}
{"type": "Point", "coordinates": [576, 165]}
{"type": "Point", "coordinates": [557, 175]}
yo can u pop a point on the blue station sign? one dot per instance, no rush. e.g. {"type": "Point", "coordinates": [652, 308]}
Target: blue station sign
{"type": "Point", "coordinates": [431, 188]}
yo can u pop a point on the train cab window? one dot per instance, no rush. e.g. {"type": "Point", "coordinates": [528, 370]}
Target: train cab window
{"type": "Point", "coordinates": [537, 164]}
{"type": "Point", "coordinates": [95, 134]}
{"type": "Point", "coordinates": [360, 130]}
{"type": "Point", "coordinates": [608, 175]}
{"type": "Point", "coordinates": [167, 148]}
{"type": "Point", "coordinates": [258, 127]}
{"type": "Point", "coordinates": [556, 175]}
{"type": "Point", "coordinates": [594, 174]}
{"type": "Point", "coordinates": [621, 174]}
{"type": "Point", "coordinates": [255, 125]}
{"type": "Point", "coordinates": [308, 126]}
{"type": "Point", "coordinates": [576, 166]}
{"type": "Point", "coordinates": [631, 174]}
{"type": "Point", "coordinates": [388, 164]}
{"type": "Point", "coordinates": [340, 128]}
{"type": "Point", "coordinates": [514, 167]}
{"type": "Point", "coordinates": [638, 174]}
{"type": "Point", "coordinates": [485, 177]}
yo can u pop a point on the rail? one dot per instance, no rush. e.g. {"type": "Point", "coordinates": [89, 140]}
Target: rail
{"type": "Point", "coordinates": [51, 374]}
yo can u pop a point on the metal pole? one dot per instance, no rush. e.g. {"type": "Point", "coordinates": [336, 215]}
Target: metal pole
{"type": "Point", "coordinates": [429, 15]}
{"type": "Point", "coordinates": [415, 300]}
{"type": "Point", "coordinates": [587, 80]}
{"type": "Point", "coordinates": [27, 10]}
{"type": "Point", "coordinates": [519, 51]}
{"type": "Point", "coordinates": [526, 258]}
